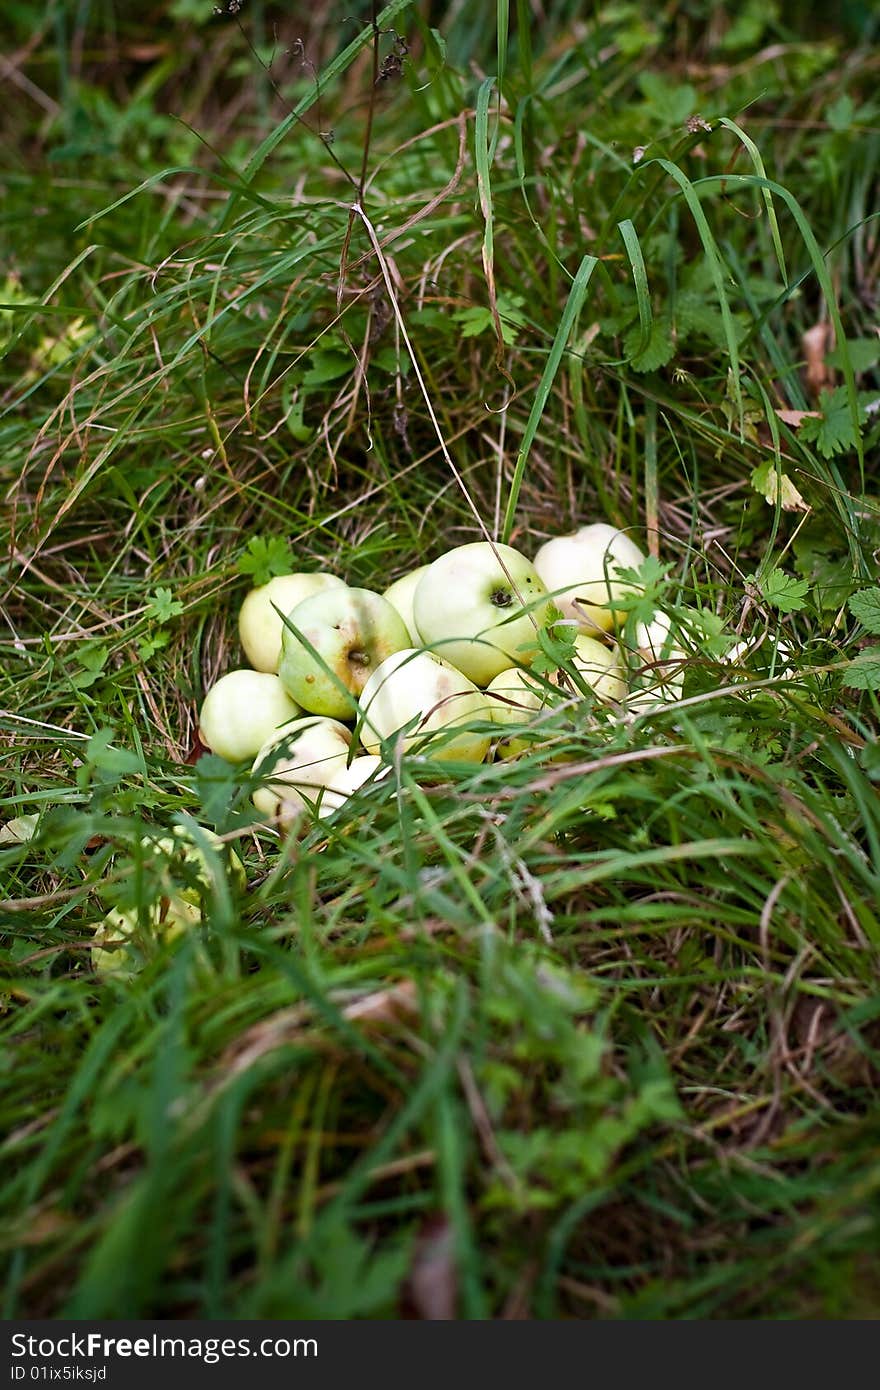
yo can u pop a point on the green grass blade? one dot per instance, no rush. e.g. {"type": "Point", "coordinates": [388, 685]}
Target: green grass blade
{"type": "Point", "coordinates": [573, 306]}
{"type": "Point", "coordinates": [640, 281]}
{"type": "Point", "coordinates": [772, 220]}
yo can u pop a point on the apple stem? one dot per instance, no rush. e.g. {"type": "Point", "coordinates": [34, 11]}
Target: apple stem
{"type": "Point", "coordinates": [359, 658]}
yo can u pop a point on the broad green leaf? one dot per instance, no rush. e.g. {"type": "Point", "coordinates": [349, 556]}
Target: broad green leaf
{"type": "Point", "coordinates": [833, 432]}
{"type": "Point", "coordinates": [782, 590]}
{"type": "Point", "coordinates": [327, 365]}
{"type": "Point", "coordinates": [864, 353]}
{"type": "Point", "coordinates": [263, 559]}
{"type": "Point", "coordinates": [863, 672]}
{"type": "Point", "coordinates": [865, 606]}
{"type": "Point", "coordinates": [671, 102]}
{"type": "Point", "coordinates": [658, 351]}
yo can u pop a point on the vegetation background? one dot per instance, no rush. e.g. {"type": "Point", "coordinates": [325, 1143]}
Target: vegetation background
{"type": "Point", "coordinates": [592, 1034]}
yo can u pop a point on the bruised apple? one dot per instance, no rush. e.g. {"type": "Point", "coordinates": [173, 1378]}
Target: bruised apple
{"type": "Point", "coordinates": [334, 642]}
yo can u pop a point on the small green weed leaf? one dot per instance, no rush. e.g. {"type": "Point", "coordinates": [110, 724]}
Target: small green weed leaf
{"type": "Point", "coordinates": [828, 570]}
{"type": "Point", "coordinates": [781, 590]}
{"type": "Point", "coordinates": [557, 648]}
{"type": "Point", "coordinates": [864, 353]}
{"type": "Point", "coordinates": [477, 318]}
{"type": "Point", "coordinates": [263, 559]}
{"type": "Point", "coordinates": [294, 404]}
{"type": "Point", "coordinates": [388, 359]}
{"type": "Point", "coordinates": [327, 365]}
{"type": "Point", "coordinates": [113, 762]}
{"type": "Point", "coordinates": [672, 103]}
{"type": "Point", "coordinates": [649, 582]}
{"type": "Point", "coordinates": [865, 606]}
{"type": "Point", "coordinates": [216, 785]}
{"type": "Point", "coordinates": [839, 114]}
{"type": "Point", "coordinates": [863, 672]}
{"type": "Point", "coordinates": [658, 350]}
{"type": "Point", "coordinates": [92, 658]}
{"type": "Point", "coordinates": [163, 606]}
{"type": "Point", "coordinates": [833, 431]}
{"type": "Point", "coordinates": [154, 643]}
{"type": "Point", "coordinates": [747, 26]}
{"type": "Point", "coordinates": [339, 1270]}
{"type": "Point", "coordinates": [869, 760]}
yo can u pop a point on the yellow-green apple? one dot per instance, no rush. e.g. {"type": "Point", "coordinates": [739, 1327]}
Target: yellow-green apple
{"type": "Point", "coordinates": [515, 696]}
{"type": "Point", "coordinates": [481, 606]}
{"type": "Point", "coordinates": [183, 876]}
{"type": "Point", "coordinates": [296, 766]}
{"type": "Point", "coordinates": [335, 641]}
{"type": "Point", "coordinates": [654, 639]}
{"type": "Point", "coordinates": [421, 688]}
{"type": "Point", "coordinates": [259, 624]}
{"type": "Point", "coordinates": [368, 767]}
{"type": "Point", "coordinates": [579, 573]}
{"type": "Point", "coordinates": [598, 665]}
{"type": "Point", "coordinates": [660, 683]}
{"type": "Point", "coordinates": [241, 711]}
{"type": "Point", "coordinates": [400, 595]}
{"type": "Point", "coordinates": [124, 940]}
{"type": "Point", "coordinates": [181, 856]}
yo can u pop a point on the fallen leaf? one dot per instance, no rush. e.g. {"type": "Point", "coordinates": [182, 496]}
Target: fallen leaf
{"type": "Point", "coordinates": [19, 830]}
{"type": "Point", "coordinates": [815, 343]}
{"type": "Point", "coordinates": [431, 1287]}
{"type": "Point", "coordinates": [795, 417]}
{"type": "Point", "coordinates": [776, 486]}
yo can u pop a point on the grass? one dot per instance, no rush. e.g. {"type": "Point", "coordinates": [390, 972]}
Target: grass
{"type": "Point", "coordinates": [604, 1019]}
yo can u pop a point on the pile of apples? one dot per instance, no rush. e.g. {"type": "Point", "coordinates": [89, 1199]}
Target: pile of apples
{"type": "Point", "coordinates": [343, 680]}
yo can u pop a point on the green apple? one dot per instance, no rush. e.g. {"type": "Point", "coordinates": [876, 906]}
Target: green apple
{"type": "Point", "coordinates": [184, 847]}
{"type": "Point", "coordinates": [242, 711]}
{"type": "Point", "coordinates": [600, 667]}
{"type": "Point", "coordinates": [481, 606]}
{"type": "Point", "coordinates": [514, 697]}
{"type": "Point", "coordinates": [400, 595]}
{"type": "Point", "coordinates": [259, 625]}
{"type": "Point", "coordinates": [184, 874]}
{"type": "Point", "coordinates": [352, 631]}
{"type": "Point", "coordinates": [579, 572]}
{"type": "Point", "coordinates": [182, 851]}
{"type": "Point", "coordinates": [660, 684]}
{"type": "Point", "coordinates": [368, 767]}
{"type": "Point", "coordinates": [654, 639]}
{"type": "Point", "coordinates": [123, 940]}
{"type": "Point", "coordinates": [661, 680]}
{"type": "Point", "coordinates": [296, 767]}
{"type": "Point", "coordinates": [418, 685]}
